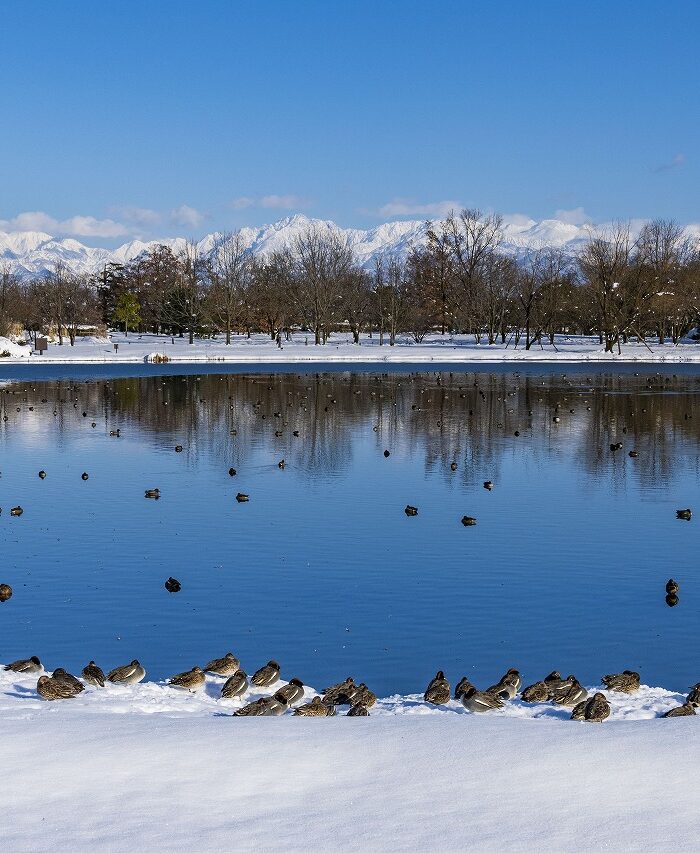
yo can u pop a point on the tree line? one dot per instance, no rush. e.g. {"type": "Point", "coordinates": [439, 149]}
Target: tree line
{"type": "Point", "coordinates": [617, 286]}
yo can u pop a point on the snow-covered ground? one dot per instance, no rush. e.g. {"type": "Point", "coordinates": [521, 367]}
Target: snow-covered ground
{"type": "Point", "coordinates": [435, 349]}
{"type": "Point", "coordinates": [153, 767]}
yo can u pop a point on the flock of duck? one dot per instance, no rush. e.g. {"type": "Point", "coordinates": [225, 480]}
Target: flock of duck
{"type": "Point", "coordinates": [565, 692]}
{"type": "Point", "coordinates": [64, 685]}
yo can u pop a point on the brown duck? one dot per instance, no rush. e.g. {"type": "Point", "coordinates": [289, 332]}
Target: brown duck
{"type": "Point", "coordinates": [438, 691]}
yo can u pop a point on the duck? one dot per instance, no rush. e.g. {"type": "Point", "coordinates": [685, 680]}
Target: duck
{"type": "Point", "coordinates": [363, 695]}
{"type": "Point", "coordinates": [5, 592]}
{"type": "Point", "coordinates": [468, 520]}
{"type": "Point", "coordinates": [235, 686]}
{"type": "Point", "coordinates": [593, 710]}
{"type": "Point", "coordinates": [623, 682]}
{"type": "Point", "coordinates": [537, 692]}
{"type": "Point", "coordinates": [411, 510]}
{"type": "Point", "coordinates": [60, 674]}
{"type": "Point", "coordinates": [508, 686]}
{"type": "Point", "coordinates": [685, 514]}
{"type": "Point", "coordinates": [16, 511]}
{"type": "Point", "coordinates": [359, 709]}
{"type": "Point", "coordinates": [266, 675]}
{"type": "Point", "coordinates": [291, 692]}
{"type": "Point", "coordinates": [316, 708]}
{"type": "Point", "coordinates": [462, 686]}
{"type": "Point", "coordinates": [571, 693]}
{"type": "Point", "coordinates": [191, 680]}
{"type": "Point", "coordinates": [152, 493]}
{"type": "Point", "coordinates": [42, 475]}
{"type": "Point", "coordinates": [672, 587]}
{"type": "Point", "coordinates": [130, 673]}
{"type": "Point", "coordinates": [241, 498]}
{"type": "Point", "coordinates": [277, 705]}
{"type": "Point", "coordinates": [225, 666]}
{"type": "Point", "coordinates": [178, 448]}
{"type": "Point", "coordinates": [94, 675]}
{"type": "Point", "coordinates": [85, 476]}
{"type": "Point", "coordinates": [115, 433]}
{"type": "Point", "coordinates": [387, 454]}
{"type": "Point", "coordinates": [453, 466]}
{"type": "Point", "coordinates": [672, 600]}
{"type": "Point", "coordinates": [438, 691]}
{"type": "Point", "coordinates": [553, 681]}
{"type": "Point", "coordinates": [56, 688]}
{"type": "Point", "coordinates": [685, 710]}
{"type": "Point", "coordinates": [259, 708]}
{"type": "Point", "coordinates": [281, 464]}
{"type": "Point", "coordinates": [345, 688]}
{"type": "Point", "coordinates": [488, 485]}
{"type": "Point", "coordinates": [28, 665]}
{"type": "Point", "coordinates": [477, 701]}
{"type": "Point", "coordinates": [173, 585]}
{"type": "Point", "coordinates": [694, 695]}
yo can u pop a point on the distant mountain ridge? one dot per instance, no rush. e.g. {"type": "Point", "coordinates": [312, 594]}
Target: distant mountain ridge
{"type": "Point", "coordinates": [32, 253]}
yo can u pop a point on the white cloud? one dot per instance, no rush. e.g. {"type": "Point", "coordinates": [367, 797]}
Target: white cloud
{"type": "Point", "coordinates": [271, 202]}
{"type": "Point", "coordinates": [186, 216]}
{"type": "Point", "coordinates": [75, 226]}
{"type": "Point", "coordinates": [518, 220]}
{"type": "Point", "coordinates": [575, 216]}
{"type": "Point", "coordinates": [143, 217]}
{"type": "Point", "coordinates": [242, 203]}
{"type": "Point", "coordinates": [408, 207]}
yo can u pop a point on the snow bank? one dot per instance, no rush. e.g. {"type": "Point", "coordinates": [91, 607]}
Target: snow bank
{"type": "Point", "coordinates": [434, 350]}
{"type": "Point", "coordinates": [14, 350]}
{"type": "Point", "coordinates": [152, 767]}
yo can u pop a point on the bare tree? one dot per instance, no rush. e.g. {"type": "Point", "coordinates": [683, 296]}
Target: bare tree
{"type": "Point", "coordinates": [273, 291]}
{"type": "Point", "coordinates": [323, 262]}
{"type": "Point", "coordinates": [230, 272]}
{"type": "Point", "coordinates": [184, 304]}
{"type": "Point", "coordinates": [664, 251]}
{"type": "Point", "coordinates": [357, 301]}
{"type": "Point", "coordinates": [9, 298]}
{"type": "Point", "coordinates": [473, 237]}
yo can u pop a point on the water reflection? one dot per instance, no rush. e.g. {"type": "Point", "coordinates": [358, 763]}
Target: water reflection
{"type": "Point", "coordinates": [322, 567]}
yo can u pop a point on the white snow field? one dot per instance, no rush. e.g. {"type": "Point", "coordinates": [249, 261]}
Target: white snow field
{"type": "Point", "coordinates": [152, 768]}
{"type": "Point", "coordinates": [340, 349]}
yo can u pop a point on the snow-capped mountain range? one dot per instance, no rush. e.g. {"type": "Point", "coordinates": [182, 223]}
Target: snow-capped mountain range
{"type": "Point", "coordinates": [32, 253]}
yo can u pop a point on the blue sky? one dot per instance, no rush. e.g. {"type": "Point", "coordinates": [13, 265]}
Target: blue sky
{"type": "Point", "coordinates": [154, 118]}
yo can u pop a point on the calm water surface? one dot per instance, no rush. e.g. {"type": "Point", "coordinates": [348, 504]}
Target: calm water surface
{"type": "Point", "coordinates": [321, 569]}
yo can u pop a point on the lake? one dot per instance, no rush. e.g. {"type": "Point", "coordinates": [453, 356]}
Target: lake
{"type": "Point", "coordinates": [322, 569]}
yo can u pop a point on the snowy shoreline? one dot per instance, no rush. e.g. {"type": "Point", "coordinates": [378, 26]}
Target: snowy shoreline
{"type": "Point", "coordinates": [18, 693]}
{"type": "Point", "coordinates": [151, 766]}
{"type": "Point", "coordinates": [435, 349]}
